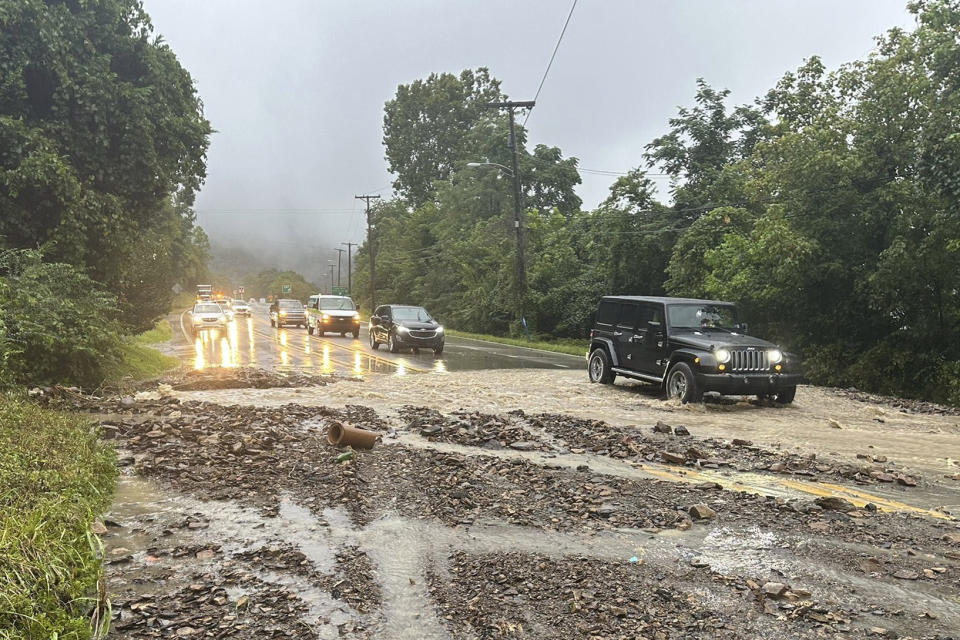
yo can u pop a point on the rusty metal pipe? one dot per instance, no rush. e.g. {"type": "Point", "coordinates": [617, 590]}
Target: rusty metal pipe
{"type": "Point", "coordinates": [343, 435]}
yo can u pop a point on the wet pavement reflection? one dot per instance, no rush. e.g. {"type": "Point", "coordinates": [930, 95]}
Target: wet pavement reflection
{"type": "Point", "coordinates": [251, 341]}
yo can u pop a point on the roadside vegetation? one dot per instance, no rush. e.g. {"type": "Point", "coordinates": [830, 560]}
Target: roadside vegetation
{"type": "Point", "coordinates": [569, 345]}
{"type": "Point", "coordinates": [140, 360]}
{"type": "Point", "coordinates": [55, 477]}
{"type": "Point", "coordinates": [829, 209]}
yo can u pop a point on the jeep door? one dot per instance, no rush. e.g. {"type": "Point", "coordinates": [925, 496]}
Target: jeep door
{"type": "Point", "coordinates": [650, 339]}
{"type": "Point", "coordinates": [624, 335]}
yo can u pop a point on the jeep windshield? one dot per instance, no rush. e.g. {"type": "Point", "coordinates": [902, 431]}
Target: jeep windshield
{"type": "Point", "coordinates": [702, 317]}
{"type": "Point", "coordinates": [411, 314]}
{"type": "Point", "coordinates": [291, 304]}
{"type": "Point", "coordinates": [337, 304]}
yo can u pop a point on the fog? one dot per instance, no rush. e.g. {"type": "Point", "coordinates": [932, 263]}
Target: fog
{"type": "Point", "coordinates": [295, 89]}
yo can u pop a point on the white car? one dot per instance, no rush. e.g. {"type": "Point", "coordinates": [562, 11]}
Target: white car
{"type": "Point", "coordinates": [207, 315]}
{"type": "Point", "coordinates": [240, 308]}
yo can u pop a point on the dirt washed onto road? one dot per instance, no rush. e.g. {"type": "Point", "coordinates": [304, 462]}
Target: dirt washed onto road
{"type": "Point", "coordinates": [242, 522]}
{"type": "Point", "coordinates": [820, 421]}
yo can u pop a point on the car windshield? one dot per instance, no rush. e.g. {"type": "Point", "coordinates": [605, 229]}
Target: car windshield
{"type": "Point", "coordinates": [290, 304]}
{"type": "Point", "coordinates": [337, 304]}
{"type": "Point", "coordinates": [412, 314]}
{"type": "Point", "coordinates": [207, 308]}
{"type": "Point", "coordinates": [239, 302]}
{"type": "Point", "coordinates": [697, 317]}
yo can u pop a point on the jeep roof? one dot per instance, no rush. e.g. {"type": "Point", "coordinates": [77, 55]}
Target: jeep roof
{"type": "Point", "coordinates": [665, 300]}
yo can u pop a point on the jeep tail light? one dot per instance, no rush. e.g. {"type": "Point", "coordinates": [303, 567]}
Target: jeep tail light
{"type": "Point", "coordinates": [591, 333]}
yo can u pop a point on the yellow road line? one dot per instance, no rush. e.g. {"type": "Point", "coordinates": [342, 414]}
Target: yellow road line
{"type": "Point", "coordinates": [766, 485]}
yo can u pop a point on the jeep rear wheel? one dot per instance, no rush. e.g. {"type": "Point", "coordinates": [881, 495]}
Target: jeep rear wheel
{"type": "Point", "coordinates": [682, 385]}
{"type": "Point", "coordinates": [599, 367]}
{"type": "Point", "coordinates": [373, 339]}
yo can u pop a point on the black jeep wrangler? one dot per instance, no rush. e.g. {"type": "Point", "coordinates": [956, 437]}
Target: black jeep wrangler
{"type": "Point", "coordinates": [688, 346]}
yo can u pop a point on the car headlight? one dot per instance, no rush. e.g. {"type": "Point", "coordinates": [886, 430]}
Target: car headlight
{"type": "Point", "coordinates": [403, 329]}
{"type": "Point", "coordinates": [775, 356]}
{"type": "Point", "coordinates": [439, 328]}
{"type": "Point", "coordinates": [283, 313]}
{"type": "Point", "coordinates": [722, 355]}
{"type": "Point", "coordinates": [324, 317]}
{"type": "Point", "coordinates": [356, 317]}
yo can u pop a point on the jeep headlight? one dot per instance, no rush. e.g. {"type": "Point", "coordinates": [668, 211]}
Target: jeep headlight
{"type": "Point", "coordinates": [403, 329]}
{"type": "Point", "coordinates": [722, 355]}
{"type": "Point", "coordinates": [775, 356]}
{"type": "Point", "coordinates": [439, 328]}
{"type": "Point", "coordinates": [283, 313]}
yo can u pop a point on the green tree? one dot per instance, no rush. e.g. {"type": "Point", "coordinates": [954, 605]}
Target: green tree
{"type": "Point", "coordinates": [102, 146]}
{"type": "Point", "coordinates": [424, 125]}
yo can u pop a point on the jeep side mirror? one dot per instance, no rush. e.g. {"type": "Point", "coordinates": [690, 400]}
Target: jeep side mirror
{"type": "Point", "coordinates": [742, 327]}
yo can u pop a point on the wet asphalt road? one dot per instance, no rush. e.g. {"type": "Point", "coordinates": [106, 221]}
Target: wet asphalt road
{"type": "Point", "coordinates": [251, 341]}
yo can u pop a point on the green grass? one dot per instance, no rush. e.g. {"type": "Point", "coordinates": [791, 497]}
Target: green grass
{"type": "Point", "coordinates": [139, 361]}
{"type": "Point", "coordinates": [55, 478]}
{"type": "Point", "coordinates": [562, 345]}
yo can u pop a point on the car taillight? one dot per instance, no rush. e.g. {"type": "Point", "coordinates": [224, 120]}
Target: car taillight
{"type": "Point", "coordinates": [591, 333]}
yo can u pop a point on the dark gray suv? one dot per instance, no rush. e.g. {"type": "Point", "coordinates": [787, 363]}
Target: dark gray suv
{"type": "Point", "coordinates": [689, 346]}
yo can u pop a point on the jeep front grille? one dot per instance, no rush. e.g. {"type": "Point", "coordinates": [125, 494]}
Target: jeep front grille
{"type": "Point", "coordinates": [749, 360]}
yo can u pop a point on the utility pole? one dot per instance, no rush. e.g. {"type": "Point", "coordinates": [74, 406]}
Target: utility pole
{"type": "Point", "coordinates": [350, 245]}
{"type": "Point", "coordinates": [331, 278]}
{"type": "Point", "coordinates": [373, 252]}
{"type": "Point", "coordinates": [521, 266]}
{"type": "Point", "coordinates": [339, 257]}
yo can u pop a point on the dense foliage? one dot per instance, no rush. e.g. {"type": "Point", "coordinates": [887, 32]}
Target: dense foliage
{"type": "Point", "coordinates": [102, 148]}
{"type": "Point", "coordinates": [56, 475]}
{"type": "Point", "coordinates": [828, 209]}
{"type": "Point", "coordinates": [56, 324]}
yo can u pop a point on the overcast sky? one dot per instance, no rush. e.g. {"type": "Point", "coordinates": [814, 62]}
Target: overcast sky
{"type": "Point", "coordinates": [295, 88]}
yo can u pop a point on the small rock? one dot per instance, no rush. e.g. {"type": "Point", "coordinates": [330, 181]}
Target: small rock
{"type": "Point", "coordinates": [740, 442]}
{"type": "Point", "coordinates": [883, 477]}
{"type": "Point", "coordinates": [675, 458]}
{"type": "Point", "coordinates": [242, 602]}
{"type": "Point", "coordinates": [834, 503]}
{"type": "Point", "coordinates": [906, 574]}
{"type": "Point", "coordinates": [775, 589]}
{"type": "Point", "coordinates": [877, 631]}
{"type": "Point", "coordinates": [523, 445]}
{"type": "Point", "coordinates": [681, 431]}
{"type": "Point", "coordinates": [98, 527]}
{"type": "Point", "coordinates": [701, 512]}
{"type": "Point", "coordinates": [206, 554]}
{"type": "Point", "coordinates": [906, 481]}
{"type": "Point", "coordinates": [662, 427]}
{"type": "Point", "coordinates": [431, 430]}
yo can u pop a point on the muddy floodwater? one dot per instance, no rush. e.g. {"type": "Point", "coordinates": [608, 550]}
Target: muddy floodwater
{"type": "Point", "coordinates": [522, 504]}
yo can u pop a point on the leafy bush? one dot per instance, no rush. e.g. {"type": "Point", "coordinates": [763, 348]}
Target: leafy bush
{"type": "Point", "coordinates": [56, 324]}
{"type": "Point", "coordinates": [55, 478]}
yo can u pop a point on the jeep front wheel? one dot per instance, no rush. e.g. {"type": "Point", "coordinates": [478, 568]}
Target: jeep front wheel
{"type": "Point", "coordinates": [599, 367]}
{"type": "Point", "coordinates": [682, 385]}
{"type": "Point", "coordinates": [786, 396]}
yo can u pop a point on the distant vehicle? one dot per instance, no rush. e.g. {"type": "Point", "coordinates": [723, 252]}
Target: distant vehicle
{"type": "Point", "coordinates": [688, 346]}
{"type": "Point", "coordinates": [402, 327]}
{"type": "Point", "coordinates": [240, 308]}
{"type": "Point", "coordinates": [332, 314]}
{"type": "Point", "coordinates": [207, 315]}
{"type": "Point", "coordinates": [226, 305]}
{"type": "Point", "coordinates": [263, 301]}
{"type": "Point", "coordinates": [287, 312]}
{"type": "Point", "coordinates": [253, 300]}
{"type": "Point", "coordinates": [204, 292]}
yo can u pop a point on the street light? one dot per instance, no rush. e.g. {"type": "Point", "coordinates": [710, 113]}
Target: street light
{"type": "Point", "coordinates": [490, 164]}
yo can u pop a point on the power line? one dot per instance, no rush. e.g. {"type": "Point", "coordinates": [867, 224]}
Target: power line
{"type": "Point", "coordinates": [554, 55]}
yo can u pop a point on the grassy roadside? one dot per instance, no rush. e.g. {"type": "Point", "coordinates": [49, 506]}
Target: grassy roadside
{"type": "Point", "coordinates": [55, 478]}
{"type": "Point", "coordinates": [141, 361]}
{"type": "Point", "coordinates": [568, 345]}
